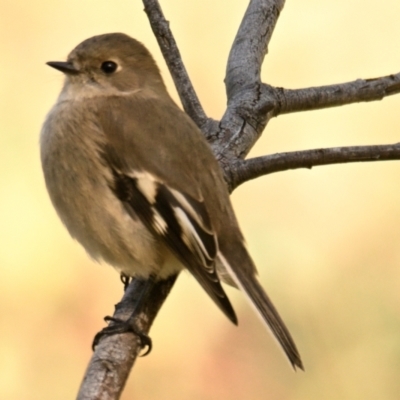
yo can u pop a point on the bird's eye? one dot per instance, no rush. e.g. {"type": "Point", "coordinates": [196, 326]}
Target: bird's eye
{"type": "Point", "coordinates": [109, 67]}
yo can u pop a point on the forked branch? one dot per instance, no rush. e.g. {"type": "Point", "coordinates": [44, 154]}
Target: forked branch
{"type": "Point", "coordinates": [251, 104]}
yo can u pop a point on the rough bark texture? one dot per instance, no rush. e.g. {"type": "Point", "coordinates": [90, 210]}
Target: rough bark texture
{"type": "Point", "coordinates": [244, 170]}
{"type": "Point", "coordinates": [251, 104]}
{"type": "Point", "coordinates": [114, 356]}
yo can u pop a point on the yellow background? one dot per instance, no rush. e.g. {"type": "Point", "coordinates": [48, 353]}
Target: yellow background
{"type": "Point", "coordinates": [326, 240]}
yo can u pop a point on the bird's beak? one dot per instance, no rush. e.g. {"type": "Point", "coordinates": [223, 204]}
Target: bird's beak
{"type": "Point", "coordinates": [64, 66]}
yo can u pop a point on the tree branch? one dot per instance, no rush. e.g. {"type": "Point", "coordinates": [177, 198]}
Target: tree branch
{"type": "Point", "coordinates": [288, 101]}
{"type": "Point", "coordinates": [172, 56]}
{"type": "Point", "coordinates": [115, 355]}
{"type": "Point", "coordinates": [251, 45]}
{"type": "Point", "coordinates": [251, 104]}
{"type": "Point", "coordinates": [246, 117]}
{"type": "Point", "coordinates": [245, 170]}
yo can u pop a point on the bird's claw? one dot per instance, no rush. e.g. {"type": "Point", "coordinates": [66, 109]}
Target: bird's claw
{"type": "Point", "coordinates": [120, 326]}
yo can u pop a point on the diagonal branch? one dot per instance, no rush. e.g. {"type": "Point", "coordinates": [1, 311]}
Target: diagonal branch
{"type": "Point", "coordinates": [115, 355]}
{"type": "Point", "coordinates": [246, 117]}
{"type": "Point", "coordinates": [251, 45]}
{"type": "Point", "coordinates": [245, 170]}
{"type": "Point", "coordinates": [172, 56]}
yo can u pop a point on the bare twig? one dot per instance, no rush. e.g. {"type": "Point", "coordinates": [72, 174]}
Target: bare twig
{"type": "Point", "coordinates": [289, 101]}
{"type": "Point", "coordinates": [245, 170]}
{"type": "Point", "coordinates": [172, 56]}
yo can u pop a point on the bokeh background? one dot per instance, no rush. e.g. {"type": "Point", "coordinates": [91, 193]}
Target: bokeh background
{"type": "Point", "coordinates": [326, 240]}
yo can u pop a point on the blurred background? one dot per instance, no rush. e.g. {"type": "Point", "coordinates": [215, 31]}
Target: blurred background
{"type": "Point", "coordinates": [326, 240]}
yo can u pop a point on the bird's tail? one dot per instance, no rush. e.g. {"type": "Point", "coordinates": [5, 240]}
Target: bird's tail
{"type": "Point", "coordinates": [249, 284]}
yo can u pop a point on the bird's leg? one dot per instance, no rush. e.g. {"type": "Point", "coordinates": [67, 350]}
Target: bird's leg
{"type": "Point", "coordinates": [141, 293]}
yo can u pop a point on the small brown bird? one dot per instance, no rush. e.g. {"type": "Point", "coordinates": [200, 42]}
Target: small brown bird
{"type": "Point", "coordinates": [135, 182]}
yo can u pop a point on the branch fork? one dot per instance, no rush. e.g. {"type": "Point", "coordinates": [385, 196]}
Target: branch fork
{"type": "Point", "coordinates": [251, 104]}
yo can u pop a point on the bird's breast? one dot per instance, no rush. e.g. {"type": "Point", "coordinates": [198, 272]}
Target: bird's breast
{"type": "Point", "coordinates": [78, 181]}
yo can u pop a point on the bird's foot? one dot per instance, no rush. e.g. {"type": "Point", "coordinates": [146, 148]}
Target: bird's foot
{"type": "Point", "coordinates": [126, 280]}
{"type": "Point", "coordinates": [120, 326]}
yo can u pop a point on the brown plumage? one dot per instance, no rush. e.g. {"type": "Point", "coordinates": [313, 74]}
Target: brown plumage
{"type": "Point", "coordinates": [136, 183]}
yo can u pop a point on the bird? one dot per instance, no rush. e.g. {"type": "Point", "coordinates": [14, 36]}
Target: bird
{"type": "Point", "coordinates": [135, 182]}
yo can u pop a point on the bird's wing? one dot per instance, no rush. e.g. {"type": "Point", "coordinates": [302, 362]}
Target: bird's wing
{"type": "Point", "coordinates": [168, 197]}
{"type": "Point", "coordinates": [181, 222]}
{"type": "Point", "coordinates": [159, 181]}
